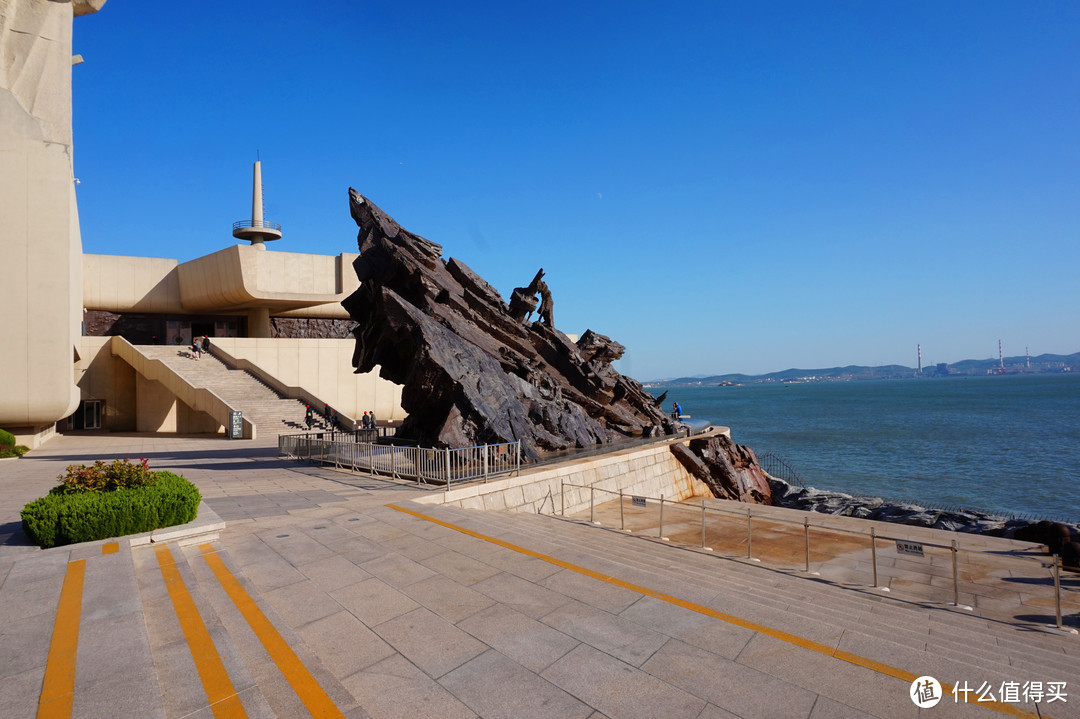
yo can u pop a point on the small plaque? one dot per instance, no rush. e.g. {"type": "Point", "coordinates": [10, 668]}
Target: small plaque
{"type": "Point", "coordinates": [638, 501]}
{"type": "Point", "coordinates": [236, 425]}
{"type": "Point", "coordinates": [915, 549]}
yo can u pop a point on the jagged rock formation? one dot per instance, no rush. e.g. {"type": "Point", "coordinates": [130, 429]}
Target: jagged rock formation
{"type": "Point", "coordinates": [472, 371]}
{"type": "Point", "coordinates": [730, 470]}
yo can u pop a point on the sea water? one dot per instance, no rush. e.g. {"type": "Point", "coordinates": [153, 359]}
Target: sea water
{"type": "Point", "coordinates": [1008, 444]}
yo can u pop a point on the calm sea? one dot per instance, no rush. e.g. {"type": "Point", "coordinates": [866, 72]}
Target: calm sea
{"type": "Point", "coordinates": [1009, 444]}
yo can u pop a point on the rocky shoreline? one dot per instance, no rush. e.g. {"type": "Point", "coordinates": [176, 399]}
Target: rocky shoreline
{"type": "Point", "coordinates": [812, 499]}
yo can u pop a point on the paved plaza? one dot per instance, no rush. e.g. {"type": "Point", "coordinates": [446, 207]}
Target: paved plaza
{"type": "Point", "coordinates": [307, 591]}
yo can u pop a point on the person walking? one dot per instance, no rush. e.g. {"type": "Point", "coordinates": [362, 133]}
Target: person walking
{"type": "Point", "coordinates": [196, 347]}
{"type": "Point", "coordinates": [309, 417]}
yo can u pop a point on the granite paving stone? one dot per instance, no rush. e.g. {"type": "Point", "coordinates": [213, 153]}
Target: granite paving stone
{"type": "Point", "coordinates": [396, 688]}
{"type": "Point", "coordinates": [459, 567]}
{"type": "Point", "coordinates": [530, 643]}
{"type": "Point", "coordinates": [429, 641]}
{"type": "Point", "coordinates": [333, 573]}
{"type": "Point", "coordinates": [396, 570]}
{"type": "Point", "coordinates": [588, 590]}
{"type": "Point", "coordinates": [373, 602]}
{"type": "Point", "coordinates": [712, 635]}
{"type": "Point", "coordinates": [450, 600]}
{"type": "Point", "coordinates": [524, 596]}
{"type": "Point", "coordinates": [496, 687]}
{"type": "Point", "coordinates": [728, 684]}
{"type": "Point", "coordinates": [344, 644]}
{"type": "Point", "coordinates": [618, 689]}
{"type": "Point", "coordinates": [622, 638]}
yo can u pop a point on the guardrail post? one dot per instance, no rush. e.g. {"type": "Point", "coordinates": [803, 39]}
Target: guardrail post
{"type": "Point", "coordinates": [1057, 589]}
{"type": "Point", "coordinates": [749, 534]}
{"type": "Point", "coordinates": [486, 450]}
{"type": "Point", "coordinates": [703, 524]}
{"type": "Point", "coordinates": [517, 470]}
{"type": "Point", "coordinates": [955, 577]}
{"type": "Point", "coordinates": [873, 553]}
{"type": "Point", "coordinates": [661, 533]}
{"type": "Point", "coordinates": [447, 450]}
{"type": "Point", "coordinates": [592, 502]}
{"type": "Point", "coordinates": [806, 533]}
{"type": "Point", "coordinates": [622, 513]}
{"type": "Point", "coordinates": [562, 498]}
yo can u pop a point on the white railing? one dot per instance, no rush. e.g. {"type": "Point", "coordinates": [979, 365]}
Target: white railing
{"type": "Point", "coordinates": [425, 465]}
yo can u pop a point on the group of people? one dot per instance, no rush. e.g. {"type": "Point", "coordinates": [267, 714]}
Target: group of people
{"type": "Point", "coordinates": [200, 345]}
{"type": "Point", "coordinates": [330, 415]}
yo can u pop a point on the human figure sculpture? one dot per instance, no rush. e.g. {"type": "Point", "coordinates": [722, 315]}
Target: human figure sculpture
{"type": "Point", "coordinates": [547, 307]}
{"type": "Point", "coordinates": [523, 299]}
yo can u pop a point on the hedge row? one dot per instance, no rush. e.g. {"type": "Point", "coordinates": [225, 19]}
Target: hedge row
{"type": "Point", "coordinates": [58, 519]}
{"type": "Point", "coordinates": [8, 448]}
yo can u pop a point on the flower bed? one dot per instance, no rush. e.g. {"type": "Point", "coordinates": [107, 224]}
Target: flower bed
{"type": "Point", "coordinates": [100, 501]}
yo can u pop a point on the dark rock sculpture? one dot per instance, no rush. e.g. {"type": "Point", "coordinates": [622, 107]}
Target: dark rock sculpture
{"type": "Point", "coordinates": [730, 470]}
{"type": "Point", "coordinates": [473, 369]}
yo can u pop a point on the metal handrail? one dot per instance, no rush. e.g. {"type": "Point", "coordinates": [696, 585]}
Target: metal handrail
{"type": "Point", "coordinates": [424, 464]}
{"type": "Point", "coordinates": [1054, 563]}
{"type": "Point", "coordinates": [257, 225]}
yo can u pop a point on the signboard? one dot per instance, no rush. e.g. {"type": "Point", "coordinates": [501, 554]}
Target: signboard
{"type": "Point", "coordinates": [639, 501]}
{"type": "Point", "coordinates": [915, 549]}
{"type": "Point", "coordinates": [236, 425]}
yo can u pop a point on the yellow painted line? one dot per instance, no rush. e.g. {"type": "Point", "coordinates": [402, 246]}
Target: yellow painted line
{"type": "Point", "coordinates": [783, 636]}
{"type": "Point", "coordinates": [58, 686]}
{"type": "Point", "coordinates": [110, 548]}
{"type": "Point", "coordinates": [317, 701]}
{"type": "Point", "coordinates": [223, 699]}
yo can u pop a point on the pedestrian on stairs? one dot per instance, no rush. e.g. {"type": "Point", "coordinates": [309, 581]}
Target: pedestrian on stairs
{"type": "Point", "coordinates": [309, 417]}
{"type": "Point", "coordinates": [196, 347]}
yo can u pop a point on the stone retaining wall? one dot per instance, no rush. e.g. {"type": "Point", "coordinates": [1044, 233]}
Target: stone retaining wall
{"type": "Point", "coordinates": [648, 471]}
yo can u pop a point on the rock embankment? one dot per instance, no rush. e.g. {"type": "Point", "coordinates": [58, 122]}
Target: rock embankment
{"type": "Point", "coordinates": [1059, 538]}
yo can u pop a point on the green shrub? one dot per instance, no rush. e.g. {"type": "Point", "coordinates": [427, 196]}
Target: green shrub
{"type": "Point", "coordinates": [101, 477]}
{"type": "Point", "coordinates": [21, 449]}
{"type": "Point", "coordinates": [68, 517]}
{"type": "Point", "coordinates": [6, 452]}
{"type": "Point", "coordinates": [7, 439]}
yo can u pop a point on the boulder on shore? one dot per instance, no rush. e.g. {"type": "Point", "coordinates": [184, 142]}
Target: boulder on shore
{"type": "Point", "coordinates": [730, 470]}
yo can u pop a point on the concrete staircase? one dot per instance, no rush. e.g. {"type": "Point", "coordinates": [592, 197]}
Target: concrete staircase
{"type": "Point", "coordinates": [269, 412]}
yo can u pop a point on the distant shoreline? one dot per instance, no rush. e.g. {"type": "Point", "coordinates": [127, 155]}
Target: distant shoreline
{"type": "Point", "coordinates": [1009, 366]}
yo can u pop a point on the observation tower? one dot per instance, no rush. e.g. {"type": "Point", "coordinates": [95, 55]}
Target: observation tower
{"type": "Point", "coordinates": [257, 230]}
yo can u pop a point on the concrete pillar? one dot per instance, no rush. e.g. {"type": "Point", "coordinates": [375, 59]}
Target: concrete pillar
{"type": "Point", "coordinates": [258, 321]}
{"type": "Point", "coordinates": [256, 197]}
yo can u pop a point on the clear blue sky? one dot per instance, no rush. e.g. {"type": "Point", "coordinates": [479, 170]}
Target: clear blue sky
{"type": "Point", "coordinates": [720, 186]}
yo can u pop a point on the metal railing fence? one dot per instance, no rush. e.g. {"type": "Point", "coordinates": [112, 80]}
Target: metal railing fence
{"type": "Point", "coordinates": [423, 464]}
{"type": "Point", "coordinates": [745, 512]}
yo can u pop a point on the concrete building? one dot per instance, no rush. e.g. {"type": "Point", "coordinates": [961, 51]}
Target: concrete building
{"type": "Point", "coordinates": [101, 342]}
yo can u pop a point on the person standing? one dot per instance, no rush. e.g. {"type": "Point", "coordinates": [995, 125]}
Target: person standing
{"type": "Point", "coordinates": [371, 419]}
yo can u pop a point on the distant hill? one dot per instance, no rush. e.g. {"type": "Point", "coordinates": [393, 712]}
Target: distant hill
{"type": "Point", "coordinates": [1013, 365]}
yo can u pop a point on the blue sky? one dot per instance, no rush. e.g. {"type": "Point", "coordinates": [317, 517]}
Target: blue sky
{"type": "Point", "coordinates": [720, 186]}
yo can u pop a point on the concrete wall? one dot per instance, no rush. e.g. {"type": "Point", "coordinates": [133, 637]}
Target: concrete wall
{"type": "Point", "coordinates": [322, 367]}
{"type": "Point", "coordinates": [647, 471]}
{"type": "Point", "coordinates": [241, 277]}
{"type": "Point", "coordinates": [41, 291]}
{"type": "Point", "coordinates": [102, 376]}
{"type": "Point", "coordinates": [131, 284]}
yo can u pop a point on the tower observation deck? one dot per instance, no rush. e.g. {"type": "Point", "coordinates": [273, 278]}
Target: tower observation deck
{"type": "Point", "coordinates": [257, 230]}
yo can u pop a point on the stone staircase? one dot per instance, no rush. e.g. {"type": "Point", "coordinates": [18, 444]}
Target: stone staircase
{"type": "Point", "coordinates": [950, 644]}
{"type": "Point", "coordinates": [268, 411]}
